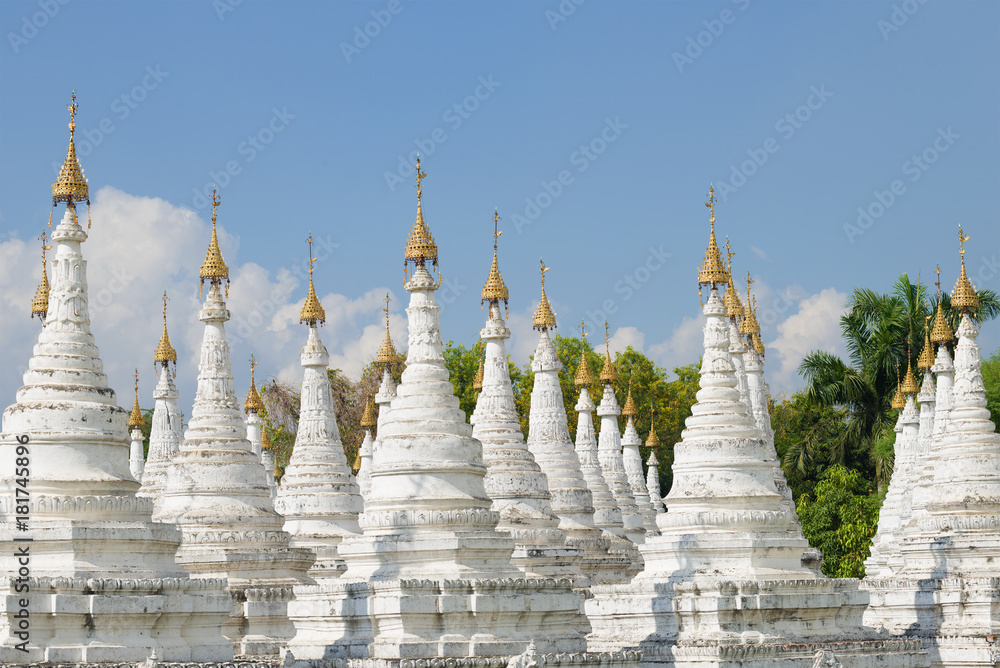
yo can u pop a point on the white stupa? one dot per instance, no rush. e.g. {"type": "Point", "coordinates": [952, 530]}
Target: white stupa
{"type": "Point", "coordinates": [632, 463]}
{"type": "Point", "coordinates": [387, 357]}
{"type": "Point", "coordinates": [95, 577]}
{"type": "Point", "coordinates": [514, 481]}
{"type": "Point", "coordinates": [609, 451]}
{"type": "Point", "coordinates": [549, 442]}
{"type": "Point", "coordinates": [136, 421]}
{"type": "Point", "coordinates": [431, 578]}
{"type": "Point", "coordinates": [260, 442]}
{"type": "Point", "coordinates": [318, 497]}
{"type": "Point", "coordinates": [218, 495]}
{"type": "Point", "coordinates": [723, 583]}
{"type": "Point", "coordinates": [653, 469]}
{"type": "Point", "coordinates": [165, 434]}
{"type": "Point", "coordinates": [947, 589]}
{"type": "Point", "coordinates": [885, 554]}
{"type": "Point", "coordinates": [607, 515]}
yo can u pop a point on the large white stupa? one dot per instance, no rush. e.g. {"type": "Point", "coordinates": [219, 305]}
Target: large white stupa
{"type": "Point", "coordinates": [88, 578]}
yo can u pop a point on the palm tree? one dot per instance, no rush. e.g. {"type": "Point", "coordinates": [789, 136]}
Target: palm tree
{"type": "Point", "coordinates": [876, 330]}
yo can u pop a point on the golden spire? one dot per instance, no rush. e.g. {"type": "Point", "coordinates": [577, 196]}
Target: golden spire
{"type": "Point", "coordinates": [368, 418]}
{"type": "Point", "coordinates": [214, 267]}
{"type": "Point", "coordinates": [40, 304]}
{"type": "Point", "coordinates": [165, 352]}
{"type": "Point", "coordinates": [387, 353]}
{"type": "Point", "coordinates": [758, 344]}
{"type": "Point", "coordinates": [926, 358]}
{"type": "Point", "coordinates": [734, 308]}
{"type": "Point", "coordinates": [629, 410]}
{"type": "Point", "coordinates": [941, 333]}
{"type": "Point", "coordinates": [749, 317]}
{"type": "Point", "coordinates": [652, 441]}
{"type": "Point", "coordinates": [712, 271]}
{"type": "Point", "coordinates": [910, 385]}
{"type": "Point", "coordinates": [583, 377]}
{"type": "Point", "coordinates": [477, 382]}
{"type": "Point", "coordinates": [898, 400]}
{"type": "Point", "coordinates": [71, 186]}
{"type": "Point", "coordinates": [420, 245]}
{"type": "Point", "coordinates": [253, 404]}
{"type": "Point", "coordinates": [265, 441]}
{"type": "Point", "coordinates": [544, 317]}
{"type": "Point", "coordinates": [356, 466]}
{"type": "Point", "coordinates": [312, 310]}
{"type": "Point", "coordinates": [964, 297]}
{"type": "Point", "coordinates": [495, 289]}
{"type": "Point", "coordinates": [135, 418]}
{"type": "Point", "coordinates": [608, 373]}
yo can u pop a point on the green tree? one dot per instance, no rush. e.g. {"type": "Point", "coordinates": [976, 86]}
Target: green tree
{"type": "Point", "coordinates": [991, 379]}
{"type": "Point", "coordinates": [840, 517]}
{"type": "Point", "coordinates": [803, 431]}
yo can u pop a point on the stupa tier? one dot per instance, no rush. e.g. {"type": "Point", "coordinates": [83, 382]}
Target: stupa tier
{"type": "Point", "coordinates": [96, 579]}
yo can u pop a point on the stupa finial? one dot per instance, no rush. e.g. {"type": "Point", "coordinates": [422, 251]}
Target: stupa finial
{"type": "Point", "coordinates": [544, 317]}
{"type": "Point", "coordinates": [136, 420]}
{"type": "Point", "coordinates": [477, 382]}
{"type": "Point", "coordinates": [387, 354]}
{"type": "Point", "coordinates": [734, 308]}
{"type": "Point", "coordinates": [420, 246]}
{"type": "Point", "coordinates": [898, 400]}
{"type": "Point", "coordinates": [964, 296]}
{"type": "Point", "coordinates": [941, 333]}
{"type": "Point", "coordinates": [583, 377]}
{"type": "Point", "coordinates": [926, 359]}
{"type": "Point", "coordinates": [910, 385]}
{"type": "Point", "coordinates": [495, 289]}
{"type": "Point", "coordinates": [214, 267]}
{"type": "Point", "coordinates": [40, 304]}
{"type": "Point", "coordinates": [71, 186]}
{"type": "Point", "coordinates": [368, 417]}
{"type": "Point", "coordinates": [312, 311]}
{"type": "Point", "coordinates": [253, 404]}
{"type": "Point", "coordinates": [629, 410]}
{"type": "Point", "coordinates": [165, 352]}
{"type": "Point", "coordinates": [608, 373]}
{"type": "Point", "coordinates": [652, 441]}
{"type": "Point", "coordinates": [712, 272]}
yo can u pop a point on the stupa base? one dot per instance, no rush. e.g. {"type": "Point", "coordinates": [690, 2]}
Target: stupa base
{"type": "Point", "coordinates": [715, 622]}
{"type": "Point", "coordinates": [956, 619]}
{"type": "Point", "coordinates": [427, 619]}
{"type": "Point", "coordinates": [95, 621]}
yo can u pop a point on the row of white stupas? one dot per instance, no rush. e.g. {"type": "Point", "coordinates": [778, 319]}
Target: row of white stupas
{"type": "Point", "coordinates": [466, 545]}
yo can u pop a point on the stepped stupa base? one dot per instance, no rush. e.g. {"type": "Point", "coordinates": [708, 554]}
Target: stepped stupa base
{"type": "Point", "coordinates": [708, 622]}
{"type": "Point", "coordinates": [393, 620]}
{"type": "Point", "coordinates": [956, 619]}
{"type": "Point", "coordinates": [95, 621]}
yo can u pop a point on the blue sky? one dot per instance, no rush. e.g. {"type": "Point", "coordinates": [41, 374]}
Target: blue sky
{"type": "Point", "coordinates": [800, 113]}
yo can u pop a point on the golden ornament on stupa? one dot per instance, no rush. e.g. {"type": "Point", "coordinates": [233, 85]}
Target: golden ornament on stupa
{"type": "Point", "coordinates": [584, 377]}
{"type": "Point", "coordinates": [964, 297]}
{"type": "Point", "coordinates": [495, 289]}
{"type": "Point", "coordinates": [312, 311]}
{"type": "Point", "coordinates": [712, 272]}
{"type": "Point", "coordinates": [253, 404]}
{"type": "Point", "coordinates": [136, 420]}
{"type": "Point", "coordinates": [941, 333]}
{"type": "Point", "coordinates": [608, 373]}
{"type": "Point", "coordinates": [420, 246]}
{"type": "Point", "coordinates": [544, 317]}
{"type": "Point", "coordinates": [40, 304]}
{"type": "Point", "coordinates": [214, 268]}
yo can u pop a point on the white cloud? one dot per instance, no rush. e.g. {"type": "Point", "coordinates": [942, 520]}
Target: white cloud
{"type": "Point", "coordinates": [625, 337]}
{"type": "Point", "coordinates": [684, 346]}
{"type": "Point", "coordinates": [759, 252]}
{"type": "Point", "coordinates": [815, 326]}
{"type": "Point", "coordinates": [141, 246]}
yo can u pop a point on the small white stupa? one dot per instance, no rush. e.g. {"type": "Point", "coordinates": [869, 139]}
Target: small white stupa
{"type": "Point", "coordinates": [514, 481]}
{"type": "Point", "coordinates": [387, 357]}
{"type": "Point", "coordinates": [632, 463]}
{"type": "Point", "coordinates": [609, 451]}
{"type": "Point", "coordinates": [136, 421]}
{"type": "Point", "coordinates": [165, 434]}
{"type": "Point", "coordinates": [218, 495]}
{"type": "Point", "coordinates": [88, 577]}
{"type": "Point", "coordinates": [318, 496]}
{"type": "Point", "coordinates": [653, 469]}
{"type": "Point", "coordinates": [549, 442]}
{"type": "Point", "coordinates": [607, 515]}
{"type": "Point", "coordinates": [885, 554]}
{"type": "Point", "coordinates": [723, 583]}
{"type": "Point", "coordinates": [431, 578]}
{"type": "Point", "coordinates": [947, 589]}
